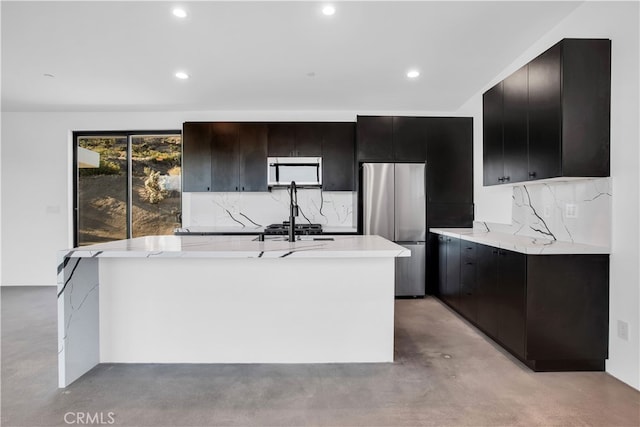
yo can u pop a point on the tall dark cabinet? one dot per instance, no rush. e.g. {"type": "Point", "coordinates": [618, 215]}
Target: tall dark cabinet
{"type": "Point", "coordinates": [446, 145]}
{"type": "Point", "coordinates": [551, 117]}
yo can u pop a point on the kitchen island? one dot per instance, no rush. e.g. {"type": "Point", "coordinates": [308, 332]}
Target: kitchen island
{"type": "Point", "coordinates": [226, 299]}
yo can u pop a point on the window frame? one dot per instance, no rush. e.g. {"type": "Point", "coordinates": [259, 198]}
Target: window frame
{"type": "Point", "coordinates": [129, 134]}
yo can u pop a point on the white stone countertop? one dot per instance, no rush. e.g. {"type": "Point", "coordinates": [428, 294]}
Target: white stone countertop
{"type": "Point", "coordinates": [199, 229]}
{"type": "Point", "coordinates": [522, 244]}
{"type": "Point", "coordinates": [242, 247]}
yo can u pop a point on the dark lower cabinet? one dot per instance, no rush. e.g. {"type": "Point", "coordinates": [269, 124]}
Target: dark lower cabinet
{"type": "Point", "coordinates": [511, 292]}
{"type": "Point", "coordinates": [487, 289]}
{"type": "Point", "coordinates": [467, 298]}
{"type": "Point", "coordinates": [550, 311]}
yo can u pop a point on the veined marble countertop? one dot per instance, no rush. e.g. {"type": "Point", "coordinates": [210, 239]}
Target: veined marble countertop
{"type": "Point", "coordinates": [242, 247]}
{"type": "Point", "coordinates": [522, 244]}
{"type": "Point", "coordinates": [200, 230]}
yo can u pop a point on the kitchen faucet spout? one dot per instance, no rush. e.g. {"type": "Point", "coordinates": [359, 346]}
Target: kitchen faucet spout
{"type": "Point", "coordinates": [293, 211]}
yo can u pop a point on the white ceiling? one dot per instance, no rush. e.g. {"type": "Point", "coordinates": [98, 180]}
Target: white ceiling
{"type": "Point", "coordinates": [122, 56]}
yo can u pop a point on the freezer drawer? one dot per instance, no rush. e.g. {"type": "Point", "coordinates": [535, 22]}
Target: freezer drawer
{"type": "Point", "coordinates": [410, 272]}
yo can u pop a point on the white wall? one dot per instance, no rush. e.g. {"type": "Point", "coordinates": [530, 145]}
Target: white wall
{"type": "Point", "coordinates": [619, 22]}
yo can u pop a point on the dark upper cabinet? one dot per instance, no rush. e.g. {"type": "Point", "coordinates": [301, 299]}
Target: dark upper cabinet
{"type": "Point", "coordinates": [196, 157]}
{"type": "Point", "coordinates": [224, 156]}
{"type": "Point", "coordinates": [514, 117]}
{"type": "Point", "coordinates": [291, 139]}
{"type": "Point", "coordinates": [281, 139]}
{"type": "Point", "coordinates": [586, 107]}
{"type": "Point", "coordinates": [545, 114]}
{"type": "Point", "coordinates": [252, 146]}
{"type": "Point", "coordinates": [492, 133]}
{"type": "Point", "coordinates": [410, 138]}
{"type": "Point", "coordinates": [567, 115]}
{"type": "Point", "coordinates": [309, 138]}
{"type": "Point", "coordinates": [374, 136]}
{"type": "Point", "coordinates": [338, 157]}
{"type": "Point", "coordinates": [449, 155]}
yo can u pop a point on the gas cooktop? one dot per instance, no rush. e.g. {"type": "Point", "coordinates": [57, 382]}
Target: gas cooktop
{"type": "Point", "coordinates": [283, 229]}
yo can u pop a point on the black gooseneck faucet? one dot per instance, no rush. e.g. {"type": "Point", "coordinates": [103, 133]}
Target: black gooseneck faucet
{"type": "Point", "coordinates": [293, 211]}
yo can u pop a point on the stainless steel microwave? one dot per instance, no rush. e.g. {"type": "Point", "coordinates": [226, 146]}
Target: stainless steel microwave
{"type": "Point", "coordinates": [305, 171]}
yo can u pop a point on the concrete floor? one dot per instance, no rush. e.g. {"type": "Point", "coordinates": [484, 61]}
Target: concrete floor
{"type": "Point", "coordinates": [446, 374]}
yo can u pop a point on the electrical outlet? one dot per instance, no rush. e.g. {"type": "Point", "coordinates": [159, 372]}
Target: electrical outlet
{"type": "Point", "coordinates": [571, 210]}
{"type": "Point", "coordinates": [623, 330]}
{"type": "Point", "coordinates": [547, 211]}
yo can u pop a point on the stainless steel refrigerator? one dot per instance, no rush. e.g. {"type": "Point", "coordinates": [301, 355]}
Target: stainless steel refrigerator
{"type": "Point", "coordinates": [394, 207]}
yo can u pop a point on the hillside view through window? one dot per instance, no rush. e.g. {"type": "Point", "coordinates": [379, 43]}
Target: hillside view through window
{"type": "Point", "coordinates": [127, 186]}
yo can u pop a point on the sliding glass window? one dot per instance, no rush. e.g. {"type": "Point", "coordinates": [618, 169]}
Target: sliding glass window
{"type": "Point", "coordinates": [127, 184]}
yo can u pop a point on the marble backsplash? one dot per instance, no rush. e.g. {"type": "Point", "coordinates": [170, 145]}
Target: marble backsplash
{"type": "Point", "coordinates": [250, 209]}
{"type": "Point", "coordinates": [571, 211]}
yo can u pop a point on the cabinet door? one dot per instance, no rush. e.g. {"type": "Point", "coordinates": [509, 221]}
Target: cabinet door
{"type": "Point", "coordinates": [196, 157]}
{"type": "Point", "coordinates": [545, 114]}
{"type": "Point", "coordinates": [493, 163]}
{"type": "Point", "coordinates": [374, 138]}
{"type": "Point", "coordinates": [515, 100]}
{"type": "Point", "coordinates": [453, 271]}
{"type": "Point", "coordinates": [282, 137]}
{"type": "Point", "coordinates": [410, 139]}
{"type": "Point", "coordinates": [512, 280]}
{"type": "Point", "coordinates": [338, 157]}
{"type": "Point", "coordinates": [468, 298]}
{"type": "Point", "coordinates": [224, 157]}
{"type": "Point", "coordinates": [449, 160]}
{"type": "Point", "coordinates": [487, 289]}
{"type": "Point", "coordinates": [308, 142]}
{"type": "Point", "coordinates": [252, 144]}
{"type": "Point", "coordinates": [442, 267]}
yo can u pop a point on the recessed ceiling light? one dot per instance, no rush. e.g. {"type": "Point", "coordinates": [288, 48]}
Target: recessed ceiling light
{"type": "Point", "coordinates": [412, 74]}
{"type": "Point", "coordinates": [180, 13]}
{"type": "Point", "coordinates": [182, 75]}
{"type": "Point", "coordinates": [328, 10]}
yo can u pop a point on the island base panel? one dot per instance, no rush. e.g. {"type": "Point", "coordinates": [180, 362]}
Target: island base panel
{"type": "Point", "coordinates": [295, 310]}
